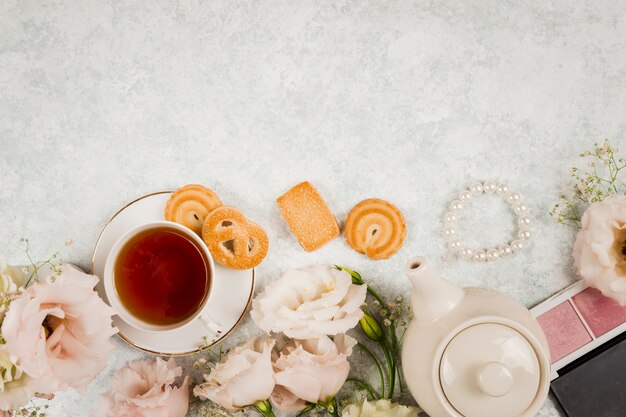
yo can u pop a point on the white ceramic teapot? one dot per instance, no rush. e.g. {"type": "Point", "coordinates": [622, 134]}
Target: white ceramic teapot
{"type": "Point", "coordinates": [472, 352]}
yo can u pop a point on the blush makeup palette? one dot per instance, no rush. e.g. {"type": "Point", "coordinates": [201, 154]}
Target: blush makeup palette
{"type": "Point", "coordinates": [586, 332]}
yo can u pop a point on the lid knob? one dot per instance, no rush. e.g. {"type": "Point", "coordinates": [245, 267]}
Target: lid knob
{"type": "Point", "coordinates": [495, 379]}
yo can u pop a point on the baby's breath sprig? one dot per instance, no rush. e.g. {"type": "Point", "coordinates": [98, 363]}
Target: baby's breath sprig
{"type": "Point", "coordinates": [31, 410]}
{"type": "Point", "coordinates": [199, 408]}
{"type": "Point", "coordinates": [602, 177]}
{"type": "Point", "coordinates": [207, 357]}
{"type": "Point", "coordinates": [53, 262]}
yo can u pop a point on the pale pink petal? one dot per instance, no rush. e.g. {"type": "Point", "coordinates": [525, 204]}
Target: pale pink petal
{"type": "Point", "coordinates": [243, 378]}
{"type": "Point", "coordinates": [595, 257]}
{"type": "Point", "coordinates": [146, 389]}
{"type": "Point", "coordinates": [312, 370]}
{"type": "Point", "coordinates": [309, 303]}
{"type": "Point", "coordinates": [285, 400]}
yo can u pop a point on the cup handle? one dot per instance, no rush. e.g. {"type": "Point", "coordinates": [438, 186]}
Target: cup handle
{"type": "Point", "coordinates": [210, 323]}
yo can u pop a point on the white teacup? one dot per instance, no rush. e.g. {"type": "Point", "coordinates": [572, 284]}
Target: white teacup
{"type": "Point", "coordinates": [117, 304]}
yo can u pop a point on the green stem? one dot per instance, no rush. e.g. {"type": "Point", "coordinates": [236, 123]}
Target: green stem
{"type": "Point", "coordinates": [306, 410]}
{"type": "Point", "coordinates": [400, 380]}
{"type": "Point", "coordinates": [335, 411]}
{"type": "Point", "coordinates": [393, 337]}
{"type": "Point", "coordinates": [378, 366]}
{"type": "Point", "coordinates": [331, 407]}
{"type": "Point", "coordinates": [375, 295]}
{"type": "Point", "coordinates": [364, 385]}
{"type": "Point", "coordinates": [35, 269]}
{"type": "Point", "coordinates": [394, 351]}
{"type": "Point", "coordinates": [391, 367]}
{"type": "Point", "coordinates": [383, 343]}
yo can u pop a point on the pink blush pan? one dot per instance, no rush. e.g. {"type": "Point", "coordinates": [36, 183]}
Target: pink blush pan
{"type": "Point", "coordinates": [586, 334]}
{"type": "Point", "coordinates": [564, 330]}
{"type": "Point", "coordinates": [602, 314]}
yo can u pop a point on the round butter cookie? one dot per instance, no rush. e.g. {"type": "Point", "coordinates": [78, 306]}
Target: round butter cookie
{"type": "Point", "coordinates": [189, 206]}
{"type": "Point", "coordinates": [376, 228]}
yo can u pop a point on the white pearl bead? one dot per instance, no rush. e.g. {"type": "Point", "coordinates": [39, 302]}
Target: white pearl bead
{"type": "Point", "coordinates": [492, 254]}
{"type": "Point", "coordinates": [520, 208]}
{"type": "Point", "coordinates": [450, 233]}
{"type": "Point", "coordinates": [465, 195]}
{"type": "Point", "coordinates": [455, 244]}
{"type": "Point", "coordinates": [523, 221]}
{"type": "Point", "coordinates": [480, 255]}
{"type": "Point", "coordinates": [449, 217]}
{"type": "Point", "coordinates": [502, 189]}
{"type": "Point", "coordinates": [456, 205]}
{"type": "Point", "coordinates": [524, 234]}
{"type": "Point", "coordinates": [517, 245]}
{"type": "Point", "coordinates": [466, 253]}
{"type": "Point", "coordinates": [476, 188]}
{"type": "Point", "coordinates": [489, 187]}
{"type": "Point", "coordinates": [505, 250]}
{"type": "Point", "coordinates": [513, 197]}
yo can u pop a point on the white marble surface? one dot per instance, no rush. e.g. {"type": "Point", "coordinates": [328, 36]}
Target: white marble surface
{"type": "Point", "coordinates": [103, 101]}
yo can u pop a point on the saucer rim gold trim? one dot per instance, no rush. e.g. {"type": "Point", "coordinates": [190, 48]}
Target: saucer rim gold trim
{"type": "Point", "coordinates": [125, 338]}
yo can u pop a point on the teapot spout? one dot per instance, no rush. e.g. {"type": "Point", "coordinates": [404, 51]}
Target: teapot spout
{"type": "Point", "coordinates": [433, 296]}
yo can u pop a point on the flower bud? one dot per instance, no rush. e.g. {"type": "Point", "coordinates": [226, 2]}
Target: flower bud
{"type": "Point", "coordinates": [356, 277]}
{"type": "Point", "coordinates": [371, 328]}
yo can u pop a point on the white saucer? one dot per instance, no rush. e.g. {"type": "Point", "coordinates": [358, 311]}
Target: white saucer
{"type": "Point", "coordinates": [228, 303]}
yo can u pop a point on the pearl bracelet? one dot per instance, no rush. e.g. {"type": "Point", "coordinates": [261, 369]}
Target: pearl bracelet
{"type": "Point", "coordinates": [494, 253]}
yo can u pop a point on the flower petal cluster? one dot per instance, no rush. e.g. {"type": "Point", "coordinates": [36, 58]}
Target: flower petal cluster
{"type": "Point", "coordinates": [16, 388]}
{"type": "Point", "coordinates": [146, 389]}
{"type": "Point", "coordinates": [243, 378]}
{"type": "Point", "coordinates": [310, 303]}
{"type": "Point", "coordinates": [600, 247]}
{"type": "Point", "coordinates": [11, 279]}
{"type": "Point", "coordinates": [58, 330]}
{"type": "Point", "coordinates": [380, 408]}
{"type": "Point", "coordinates": [311, 371]}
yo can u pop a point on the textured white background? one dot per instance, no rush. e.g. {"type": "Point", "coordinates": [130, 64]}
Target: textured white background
{"type": "Point", "coordinates": [103, 101]}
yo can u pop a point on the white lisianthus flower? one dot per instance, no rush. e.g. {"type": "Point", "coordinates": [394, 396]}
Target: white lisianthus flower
{"type": "Point", "coordinates": [380, 408]}
{"type": "Point", "coordinates": [600, 247]}
{"type": "Point", "coordinates": [310, 303]}
{"type": "Point", "coordinates": [15, 386]}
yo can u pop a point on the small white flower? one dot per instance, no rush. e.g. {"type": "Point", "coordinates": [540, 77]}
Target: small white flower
{"type": "Point", "coordinates": [380, 408]}
{"type": "Point", "coordinates": [600, 247]}
{"type": "Point", "coordinates": [15, 386]}
{"type": "Point", "coordinates": [309, 303]}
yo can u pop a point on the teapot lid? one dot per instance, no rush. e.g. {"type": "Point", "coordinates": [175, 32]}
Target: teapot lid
{"type": "Point", "coordinates": [490, 370]}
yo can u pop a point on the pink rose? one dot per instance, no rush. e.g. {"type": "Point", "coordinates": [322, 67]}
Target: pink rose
{"type": "Point", "coordinates": [311, 371]}
{"type": "Point", "coordinates": [59, 330]}
{"type": "Point", "coordinates": [146, 389]}
{"type": "Point", "coordinates": [243, 379]}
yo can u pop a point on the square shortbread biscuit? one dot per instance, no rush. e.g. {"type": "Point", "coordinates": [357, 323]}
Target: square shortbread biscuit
{"type": "Point", "coordinates": [308, 216]}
